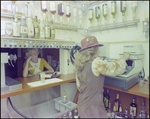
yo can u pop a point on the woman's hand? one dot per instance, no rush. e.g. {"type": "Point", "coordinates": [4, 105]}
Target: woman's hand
{"type": "Point", "coordinates": [126, 56]}
{"type": "Point", "coordinates": [29, 58]}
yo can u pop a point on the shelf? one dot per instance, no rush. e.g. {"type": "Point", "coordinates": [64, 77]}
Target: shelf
{"type": "Point", "coordinates": [64, 27]}
{"type": "Point", "coordinates": [13, 42]}
{"type": "Point", "coordinates": [117, 25]}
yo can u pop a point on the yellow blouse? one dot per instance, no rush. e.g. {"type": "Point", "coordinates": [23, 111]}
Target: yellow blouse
{"type": "Point", "coordinates": [31, 69]}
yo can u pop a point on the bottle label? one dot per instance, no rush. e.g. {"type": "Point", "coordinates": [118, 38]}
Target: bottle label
{"type": "Point", "coordinates": [112, 7]}
{"type": "Point", "coordinates": [105, 9]}
{"type": "Point", "coordinates": [36, 32]}
{"type": "Point", "coordinates": [8, 31]}
{"type": "Point", "coordinates": [90, 14]}
{"type": "Point", "coordinates": [47, 32]}
{"type": "Point", "coordinates": [30, 32]}
{"type": "Point", "coordinates": [53, 32]}
{"type": "Point", "coordinates": [134, 110]}
{"type": "Point", "coordinates": [24, 29]}
{"type": "Point", "coordinates": [106, 102]}
{"type": "Point", "coordinates": [117, 107]}
{"type": "Point", "coordinates": [16, 30]}
{"type": "Point", "coordinates": [43, 4]}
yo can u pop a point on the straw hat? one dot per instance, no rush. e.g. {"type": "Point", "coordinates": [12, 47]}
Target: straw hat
{"type": "Point", "coordinates": [88, 42]}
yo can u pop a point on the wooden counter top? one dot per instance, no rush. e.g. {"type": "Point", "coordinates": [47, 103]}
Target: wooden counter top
{"type": "Point", "coordinates": [135, 90]}
{"type": "Point", "coordinates": [26, 88]}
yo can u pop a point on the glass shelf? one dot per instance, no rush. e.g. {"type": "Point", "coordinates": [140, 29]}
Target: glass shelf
{"type": "Point", "coordinates": [114, 26]}
{"type": "Point", "coordinates": [13, 42]}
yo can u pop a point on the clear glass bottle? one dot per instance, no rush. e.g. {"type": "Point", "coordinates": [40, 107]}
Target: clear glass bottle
{"type": "Point", "coordinates": [43, 6]}
{"type": "Point", "coordinates": [109, 113]}
{"type": "Point", "coordinates": [74, 15]}
{"type": "Point", "coordinates": [105, 11]}
{"type": "Point", "coordinates": [68, 14]}
{"type": "Point", "coordinates": [113, 9]}
{"type": "Point", "coordinates": [65, 98]}
{"type": "Point", "coordinates": [53, 9]}
{"type": "Point", "coordinates": [24, 28]}
{"type": "Point", "coordinates": [42, 29]}
{"type": "Point", "coordinates": [90, 15]}
{"type": "Point", "coordinates": [36, 28]}
{"type": "Point", "coordinates": [126, 113]}
{"type": "Point", "coordinates": [61, 11]}
{"type": "Point", "coordinates": [117, 101]}
{"type": "Point", "coordinates": [107, 98]}
{"type": "Point", "coordinates": [52, 34]}
{"type": "Point", "coordinates": [47, 29]}
{"type": "Point", "coordinates": [133, 7]}
{"type": "Point", "coordinates": [120, 115]}
{"type": "Point", "coordinates": [30, 28]}
{"type": "Point", "coordinates": [16, 27]}
{"type": "Point", "coordinates": [133, 106]}
{"type": "Point", "coordinates": [123, 9]}
{"type": "Point", "coordinates": [142, 110]}
{"type": "Point", "coordinates": [97, 13]}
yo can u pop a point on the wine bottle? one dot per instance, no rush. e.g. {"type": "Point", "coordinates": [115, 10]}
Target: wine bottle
{"type": "Point", "coordinates": [113, 8]}
{"type": "Point", "coordinates": [120, 112]}
{"type": "Point", "coordinates": [123, 7]}
{"type": "Point", "coordinates": [105, 10]}
{"type": "Point", "coordinates": [90, 15]}
{"type": "Point", "coordinates": [97, 13]}
{"type": "Point", "coordinates": [43, 6]}
{"type": "Point", "coordinates": [107, 97]}
{"type": "Point", "coordinates": [36, 28]}
{"type": "Point", "coordinates": [133, 106]}
{"type": "Point", "coordinates": [143, 111]}
{"type": "Point", "coordinates": [47, 29]}
{"type": "Point", "coordinates": [117, 102]}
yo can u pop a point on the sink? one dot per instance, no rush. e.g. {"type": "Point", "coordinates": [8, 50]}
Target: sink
{"type": "Point", "coordinates": [47, 81]}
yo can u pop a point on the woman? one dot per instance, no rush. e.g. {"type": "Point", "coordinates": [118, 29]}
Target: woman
{"type": "Point", "coordinates": [34, 65]}
{"type": "Point", "coordinates": [90, 77]}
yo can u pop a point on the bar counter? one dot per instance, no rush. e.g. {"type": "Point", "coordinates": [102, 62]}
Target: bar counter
{"type": "Point", "coordinates": [135, 90]}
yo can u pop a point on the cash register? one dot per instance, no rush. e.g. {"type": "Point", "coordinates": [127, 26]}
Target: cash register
{"type": "Point", "coordinates": [134, 66]}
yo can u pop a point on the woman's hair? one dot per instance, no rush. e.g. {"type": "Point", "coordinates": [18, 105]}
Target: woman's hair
{"type": "Point", "coordinates": [29, 52]}
{"type": "Point", "coordinates": [85, 56]}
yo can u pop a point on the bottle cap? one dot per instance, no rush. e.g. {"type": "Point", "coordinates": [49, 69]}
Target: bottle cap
{"type": "Point", "coordinates": [15, 16]}
{"type": "Point", "coordinates": [76, 107]}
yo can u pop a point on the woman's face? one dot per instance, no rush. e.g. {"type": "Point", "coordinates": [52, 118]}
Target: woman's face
{"type": "Point", "coordinates": [34, 54]}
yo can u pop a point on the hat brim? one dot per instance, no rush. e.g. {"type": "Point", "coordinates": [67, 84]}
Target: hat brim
{"type": "Point", "coordinates": [90, 46]}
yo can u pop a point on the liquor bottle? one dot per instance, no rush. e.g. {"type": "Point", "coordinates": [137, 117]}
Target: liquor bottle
{"type": "Point", "coordinates": [97, 13]}
{"type": "Point", "coordinates": [52, 34]}
{"type": "Point", "coordinates": [68, 14]}
{"type": "Point", "coordinates": [90, 15]}
{"type": "Point", "coordinates": [42, 29]}
{"type": "Point", "coordinates": [120, 112]}
{"type": "Point", "coordinates": [134, 7]}
{"type": "Point", "coordinates": [132, 114]}
{"type": "Point", "coordinates": [105, 11]}
{"type": "Point", "coordinates": [24, 28]}
{"type": "Point", "coordinates": [74, 15]}
{"type": "Point", "coordinates": [109, 114]}
{"type": "Point", "coordinates": [64, 98]}
{"type": "Point", "coordinates": [16, 27]}
{"type": "Point", "coordinates": [43, 6]}
{"type": "Point", "coordinates": [113, 8]}
{"type": "Point", "coordinates": [76, 115]}
{"type": "Point", "coordinates": [114, 114]}
{"type": "Point", "coordinates": [117, 102]}
{"type": "Point", "coordinates": [47, 29]}
{"type": "Point", "coordinates": [36, 28]}
{"type": "Point", "coordinates": [52, 9]}
{"type": "Point", "coordinates": [30, 28]}
{"type": "Point", "coordinates": [123, 7]}
{"type": "Point", "coordinates": [133, 106]}
{"type": "Point", "coordinates": [61, 11]}
{"type": "Point", "coordinates": [126, 113]}
{"type": "Point", "coordinates": [107, 97]}
{"type": "Point", "coordinates": [143, 111]}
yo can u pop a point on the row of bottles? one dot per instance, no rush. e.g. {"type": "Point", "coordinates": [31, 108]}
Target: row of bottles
{"type": "Point", "coordinates": [113, 10]}
{"type": "Point", "coordinates": [117, 109]}
{"type": "Point", "coordinates": [28, 28]}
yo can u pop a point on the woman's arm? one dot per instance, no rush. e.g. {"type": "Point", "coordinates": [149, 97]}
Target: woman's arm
{"type": "Point", "coordinates": [25, 70]}
{"type": "Point", "coordinates": [114, 68]}
{"type": "Point", "coordinates": [49, 69]}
